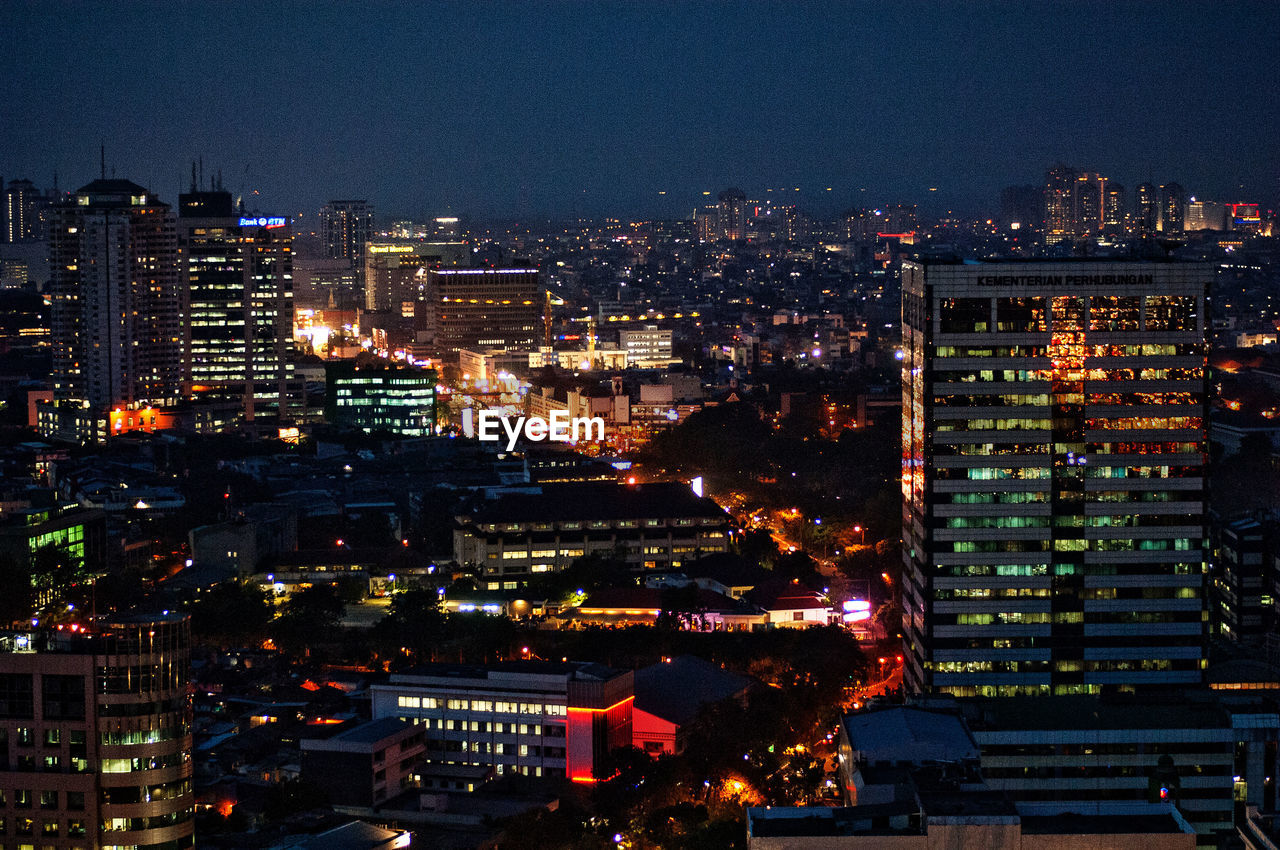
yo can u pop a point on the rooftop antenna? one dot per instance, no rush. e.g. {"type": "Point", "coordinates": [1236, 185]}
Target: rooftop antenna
{"type": "Point", "coordinates": [193, 176]}
{"type": "Point", "coordinates": [201, 172]}
{"type": "Point", "coordinates": [102, 160]}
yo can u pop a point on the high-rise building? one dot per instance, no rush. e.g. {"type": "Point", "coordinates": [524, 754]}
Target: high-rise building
{"type": "Point", "coordinates": [1054, 451]}
{"type": "Point", "coordinates": [98, 729]}
{"type": "Point", "coordinates": [237, 281]}
{"type": "Point", "coordinates": [706, 223]}
{"type": "Point", "coordinates": [24, 209]}
{"type": "Point", "coordinates": [1173, 208]}
{"type": "Point", "coordinates": [1059, 205]}
{"type": "Point", "coordinates": [1114, 210]}
{"type": "Point", "coordinates": [345, 227]}
{"type": "Point", "coordinates": [1148, 211]}
{"type": "Point", "coordinates": [1074, 204]}
{"type": "Point", "coordinates": [733, 214]}
{"type": "Point", "coordinates": [117, 308]}
{"type": "Point", "coordinates": [483, 308]}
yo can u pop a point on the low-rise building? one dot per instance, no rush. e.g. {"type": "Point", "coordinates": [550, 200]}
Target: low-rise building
{"type": "Point", "coordinates": [366, 765]}
{"type": "Point", "coordinates": [648, 526]}
{"type": "Point", "coordinates": [536, 718]}
{"type": "Point", "coordinates": [673, 694]}
{"type": "Point", "coordinates": [381, 398]}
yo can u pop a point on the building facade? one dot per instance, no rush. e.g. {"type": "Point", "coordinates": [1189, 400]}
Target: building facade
{"type": "Point", "coordinates": [483, 308]}
{"type": "Point", "coordinates": [535, 718]}
{"type": "Point", "coordinates": [382, 398]}
{"type": "Point", "coordinates": [395, 272]}
{"type": "Point", "coordinates": [345, 228]}
{"type": "Point", "coordinates": [648, 526]}
{"type": "Point", "coordinates": [237, 274]}
{"type": "Point", "coordinates": [1054, 451]}
{"type": "Point", "coordinates": [117, 306]}
{"type": "Point", "coordinates": [98, 731]}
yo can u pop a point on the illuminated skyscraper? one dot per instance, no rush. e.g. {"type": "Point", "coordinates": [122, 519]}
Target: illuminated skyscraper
{"type": "Point", "coordinates": [237, 279]}
{"type": "Point", "coordinates": [117, 310]}
{"type": "Point", "coordinates": [23, 207]}
{"type": "Point", "coordinates": [1074, 204]}
{"type": "Point", "coordinates": [1054, 450]}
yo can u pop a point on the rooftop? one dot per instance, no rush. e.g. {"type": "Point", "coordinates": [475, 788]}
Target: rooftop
{"type": "Point", "coordinates": [373, 731]}
{"type": "Point", "coordinates": [677, 690]}
{"type": "Point", "coordinates": [588, 501]}
{"type": "Point", "coordinates": [905, 735]}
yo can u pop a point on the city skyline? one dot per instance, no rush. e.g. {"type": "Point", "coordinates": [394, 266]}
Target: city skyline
{"type": "Point", "coordinates": [550, 110]}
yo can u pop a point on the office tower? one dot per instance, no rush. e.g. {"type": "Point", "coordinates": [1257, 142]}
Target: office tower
{"type": "Point", "coordinates": [1148, 209]}
{"type": "Point", "coordinates": [1173, 208]}
{"type": "Point", "coordinates": [98, 728]}
{"type": "Point", "coordinates": [483, 308]}
{"type": "Point", "coordinates": [395, 272]}
{"type": "Point", "coordinates": [1054, 448]}
{"type": "Point", "coordinates": [345, 227]}
{"type": "Point", "coordinates": [117, 310]}
{"type": "Point", "coordinates": [237, 280]}
{"type": "Point", "coordinates": [24, 208]}
{"type": "Point", "coordinates": [732, 214]}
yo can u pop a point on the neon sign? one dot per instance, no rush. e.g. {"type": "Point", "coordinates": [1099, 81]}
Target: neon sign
{"type": "Point", "coordinates": [263, 221]}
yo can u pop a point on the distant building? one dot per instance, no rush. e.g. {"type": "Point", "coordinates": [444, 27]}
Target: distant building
{"type": "Point", "coordinates": [1241, 580]}
{"type": "Point", "coordinates": [345, 228]}
{"type": "Point", "coordinates": [1173, 208]}
{"type": "Point", "coordinates": [483, 308]}
{"type": "Point", "coordinates": [382, 398]}
{"type": "Point", "coordinates": [536, 718]}
{"type": "Point", "coordinates": [1075, 204]}
{"type": "Point", "coordinates": [99, 729]}
{"type": "Point", "coordinates": [395, 273]}
{"type": "Point", "coordinates": [646, 347]}
{"type": "Point", "coordinates": [24, 212]}
{"type": "Point", "coordinates": [649, 526]}
{"type": "Point", "coordinates": [1148, 209]}
{"type": "Point", "coordinates": [732, 215]}
{"type": "Point", "coordinates": [1205, 215]}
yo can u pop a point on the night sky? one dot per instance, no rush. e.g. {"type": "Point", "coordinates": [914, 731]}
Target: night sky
{"type": "Point", "coordinates": [564, 109]}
